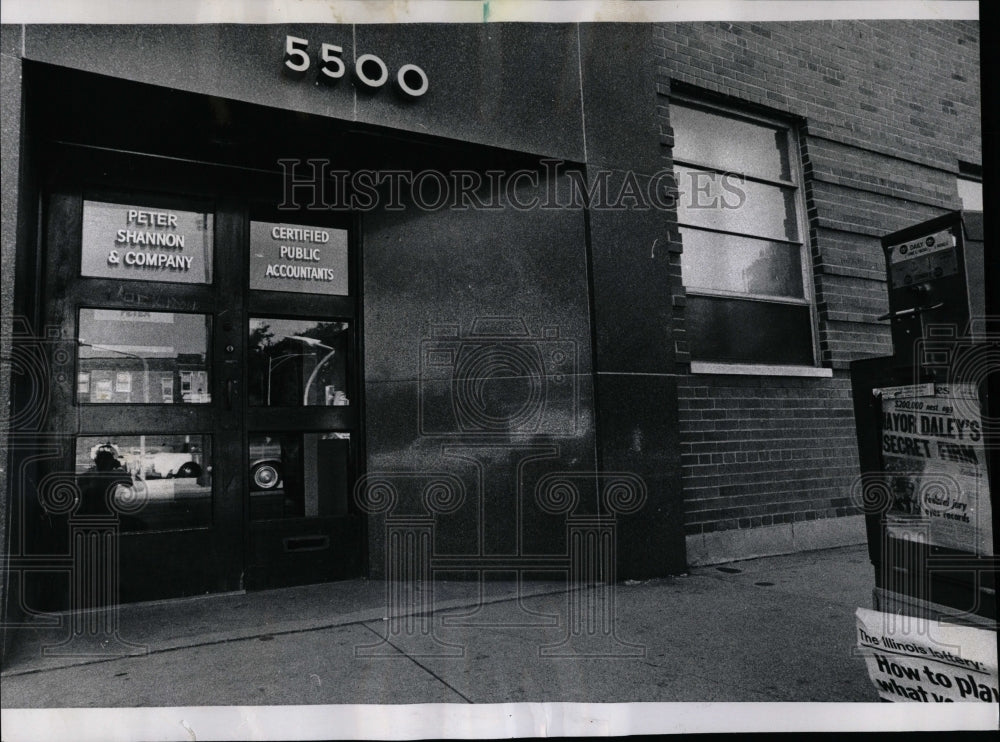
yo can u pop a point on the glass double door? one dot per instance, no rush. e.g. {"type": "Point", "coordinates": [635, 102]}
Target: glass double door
{"type": "Point", "coordinates": [208, 406]}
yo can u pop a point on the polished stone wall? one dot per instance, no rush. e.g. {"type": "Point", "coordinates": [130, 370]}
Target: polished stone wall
{"type": "Point", "coordinates": [598, 285]}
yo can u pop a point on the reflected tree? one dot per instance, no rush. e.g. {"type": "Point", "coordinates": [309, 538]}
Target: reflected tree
{"type": "Point", "coordinates": [284, 356]}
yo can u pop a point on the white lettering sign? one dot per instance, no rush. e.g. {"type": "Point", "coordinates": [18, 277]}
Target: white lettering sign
{"type": "Point", "coordinates": [122, 241]}
{"type": "Point", "coordinates": [287, 257]}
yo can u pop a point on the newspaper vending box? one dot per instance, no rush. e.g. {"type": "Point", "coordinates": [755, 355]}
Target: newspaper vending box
{"type": "Point", "coordinates": [926, 432]}
{"type": "Point", "coordinates": [926, 420]}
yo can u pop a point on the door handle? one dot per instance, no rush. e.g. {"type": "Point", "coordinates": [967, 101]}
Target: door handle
{"type": "Point", "coordinates": [232, 390]}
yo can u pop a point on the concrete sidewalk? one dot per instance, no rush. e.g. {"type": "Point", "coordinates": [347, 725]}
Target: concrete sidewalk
{"type": "Point", "coordinates": [770, 629]}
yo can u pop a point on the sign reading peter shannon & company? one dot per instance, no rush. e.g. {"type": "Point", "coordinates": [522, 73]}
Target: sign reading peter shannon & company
{"type": "Point", "coordinates": [302, 259]}
{"type": "Point", "coordinates": [138, 242]}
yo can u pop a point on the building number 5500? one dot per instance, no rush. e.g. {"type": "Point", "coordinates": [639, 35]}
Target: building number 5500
{"type": "Point", "coordinates": [369, 69]}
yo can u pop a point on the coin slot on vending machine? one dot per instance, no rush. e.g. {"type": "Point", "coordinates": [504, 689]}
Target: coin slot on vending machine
{"type": "Point", "coordinates": [934, 277]}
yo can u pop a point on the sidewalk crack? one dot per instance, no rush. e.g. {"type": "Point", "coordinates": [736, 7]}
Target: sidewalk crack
{"type": "Point", "coordinates": [423, 667]}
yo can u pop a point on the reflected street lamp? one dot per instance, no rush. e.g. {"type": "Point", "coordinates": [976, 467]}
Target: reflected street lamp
{"type": "Point", "coordinates": [315, 371]}
{"type": "Point", "coordinates": [273, 363]}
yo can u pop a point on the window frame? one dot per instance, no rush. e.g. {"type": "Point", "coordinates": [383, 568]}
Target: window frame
{"type": "Point", "coordinates": [969, 173]}
{"type": "Point", "coordinates": [81, 399]}
{"type": "Point", "coordinates": [797, 183]}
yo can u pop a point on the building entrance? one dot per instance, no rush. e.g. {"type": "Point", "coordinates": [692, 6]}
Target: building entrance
{"type": "Point", "coordinates": [199, 306]}
{"type": "Point", "coordinates": [203, 425]}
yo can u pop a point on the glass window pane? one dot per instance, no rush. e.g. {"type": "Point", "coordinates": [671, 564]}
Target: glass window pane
{"type": "Point", "coordinates": [724, 262]}
{"type": "Point", "coordinates": [727, 143]}
{"type": "Point", "coordinates": [134, 357]}
{"type": "Point", "coordinates": [741, 331]}
{"type": "Point", "coordinates": [298, 475]}
{"type": "Point", "coordinates": [734, 204]}
{"type": "Point", "coordinates": [299, 258]}
{"type": "Point", "coordinates": [151, 482]}
{"type": "Point", "coordinates": [970, 193]}
{"type": "Point", "coordinates": [295, 362]}
{"type": "Point", "coordinates": [147, 244]}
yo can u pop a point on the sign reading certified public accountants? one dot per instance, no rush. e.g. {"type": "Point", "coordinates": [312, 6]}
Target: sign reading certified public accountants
{"type": "Point", "coordinates": [149, 244]}
{"type": "Point", "coordinates": [293, 257]}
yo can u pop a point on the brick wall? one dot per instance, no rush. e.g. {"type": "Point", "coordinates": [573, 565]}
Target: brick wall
{"type": "Point", "coordinates": [756, 452]}
{"type": "Point", "coordinates": [886, 112]}
{"type": "Point", "coordinates": [903, 88]}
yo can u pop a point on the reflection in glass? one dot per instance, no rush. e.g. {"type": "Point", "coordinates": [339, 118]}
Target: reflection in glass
{"type": "Point", "coordinates": [725, 262]}
{"type": "Point", "coordinates": [151, 482]}
{"type": "Point", "coordinates": [730, 143]}
{"type": "Point", "coordinates": [137, 357]}
{"type": "Point", "coordinates": [733, 204]}
{"type": "Point", "coordinates": [295, 362]}
{"type": "Point", "coordinates": [298, 475]}
{"type": "Point", "coordinates": [740, 331]}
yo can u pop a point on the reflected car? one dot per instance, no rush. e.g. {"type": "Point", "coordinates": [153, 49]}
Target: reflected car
{"type": "Point", "coordinates": [265, 463]}
{"type": "Point", "coordinates": [163, 464]}
{"type": "Point", "coordinates": [265, 474]}
{"type": "Point", "coordinates": [173, 465]}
